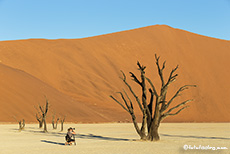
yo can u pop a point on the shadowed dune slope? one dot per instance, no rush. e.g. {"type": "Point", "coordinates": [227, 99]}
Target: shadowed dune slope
{"type": "Point", "coordinates": [78, 75]}
{"type": "Point", "coordinates": [21, 94]}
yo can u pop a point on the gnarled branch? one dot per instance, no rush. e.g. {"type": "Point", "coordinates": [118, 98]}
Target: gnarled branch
{"type": "Point", "coordinates": [142, 68]}
{"type": "Point", "coordinates": [131, 90]}
{"type": "Point", "coordinates": [119, 103]}
{"type": "Point", "coordinates": [160, 70]}
{"type": "Point", "coordinates": [178, 93]}
{"type": "Point", "coordinates": [153, 87]}
{"type": "Point", "coordinates": [130, 102]}
{"type": "Point", "coordinates": [135, 78]}
{"type": "Point", "coordinates": [177, 106]}
{"type": "Point", "coordinates": [172, 77]}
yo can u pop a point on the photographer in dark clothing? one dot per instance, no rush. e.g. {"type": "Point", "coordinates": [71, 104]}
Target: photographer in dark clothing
{"type": "Point", "coordinates": [69, 136]}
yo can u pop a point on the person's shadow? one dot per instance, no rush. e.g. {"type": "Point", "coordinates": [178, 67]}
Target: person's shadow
{"type": "Point", "coordinates": [52, 142]}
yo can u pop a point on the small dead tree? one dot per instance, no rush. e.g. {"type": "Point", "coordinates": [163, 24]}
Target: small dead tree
{"type": "Point", "coordinates": [21, 123]}
{"type": "Point", "coordinates": [152, 115]}
{"type": "Point", "coordinates": [54, 122]}
{"type": "Point", "coordinates": [62, 122]}
{"type": "Point", "coordinates": [44, 110]}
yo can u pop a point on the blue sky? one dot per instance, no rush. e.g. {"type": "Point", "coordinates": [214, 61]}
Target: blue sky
{"type": "Point", "coordinates": [53, 19]}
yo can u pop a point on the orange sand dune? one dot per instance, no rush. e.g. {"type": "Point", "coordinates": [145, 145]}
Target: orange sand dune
{"type": "Point", "coordinates": [87, 71]}
{"type": "Point", "coordinates": [21, 93]}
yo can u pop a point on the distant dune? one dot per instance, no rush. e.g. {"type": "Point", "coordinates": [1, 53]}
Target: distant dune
{"type": "Point", "coordinates": [78, 75]}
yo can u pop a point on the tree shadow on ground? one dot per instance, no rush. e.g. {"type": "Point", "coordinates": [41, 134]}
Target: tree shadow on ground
{"type": "Point", "coordinates": [197, 137]}
{"type": "Point", "coordinates": [89, 136]}
{"type": "Point", "coordinates": [93, 136]}
{"type": "Point", "coordinates": [40, 131]}
{"type": "Point", "coordinates": [52, 142]}
{"type": "Point", "coordinates": [81, 136]}
{"type": "Point", "coordinates": [62, 134]}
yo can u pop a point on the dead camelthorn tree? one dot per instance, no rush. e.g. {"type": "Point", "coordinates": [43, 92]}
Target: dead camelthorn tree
{"type": "Point", "coordinates": [62, 122]}
{"type": "Point", "coordinates": [21, 123]}
{"type": "Point", "coordinates": [157, 107]}
{"type": "Point", "coordinates": [44, 110]}
{"type": "Point", "coordinates": [54, 122]}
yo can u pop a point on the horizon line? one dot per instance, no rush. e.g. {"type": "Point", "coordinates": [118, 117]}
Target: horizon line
{"type": "Point", "coordinates": [103, 34]}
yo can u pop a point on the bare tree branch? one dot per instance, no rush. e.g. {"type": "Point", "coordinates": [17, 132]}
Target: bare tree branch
{"type": "Point", "coordinates": [142, 68]}
{"type": "Point", "coordinates": [124, 76]}
{"type": "Point", "coordinates": [178, 93]}
{"type": "Point", "coordinates": [171, 78]}
{"type": "Point", "coordinates": [131, 90]}
{"type": "Point", "coordinates": [47, 105]}
{"type": "Point", "coordinates": [150, 105]}
{"type": "Point", "coordinates": [160, 70]}
{"type": "Point", "coordinates": [153, 87]}
{"type": "Point", "coordinates": [178, 111]}
{"type": "Point", "coordinates": [135, 78]}
{"type": "Point", "coordinates": [119, 103]}
{"type": "Point", "coordinates": [130, 102]}
{"type": "Point", "coordinates": [122, 96]}
{"type": "Point", "coordinates": [37, 117]}
{"type": "Point", "coordinates": [177, 106]}
{"type": "Point", "coordinates": [172, 114]}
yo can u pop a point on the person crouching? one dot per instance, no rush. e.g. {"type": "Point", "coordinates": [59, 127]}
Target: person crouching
{"type": "Point", "coordinates": [69, 136]}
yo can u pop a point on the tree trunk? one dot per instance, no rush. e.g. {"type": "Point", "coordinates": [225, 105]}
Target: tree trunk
{"type": "Point", "coordinates": [55, 127]}
{"type": "Point", "coordinates": [143, 128]}
{"type": "Point", "coordinates": [23, 124]}
{"type": "Point", "coordinates": [155, 123]}
{"type": "Point", "coordinates": [135, 124]}
{"type": "Point", "coordinates": [62, 122]}
{"type": "Point", "coordinates": [141, 133]}
{"type": "Point", "coordinates": [153, 133]}
{"type": "Point", "coordinates": [53, 124]}
{"type": "Point", "coordinates": [20, 125]}
{"type": "Point", "coordinates": [40, 124]}
{"type": "Point", "coordinates": [45, 128]}
{"type": "Point", "coordinates": [143, 136]}
{"type": "Point", "coordinates": [40, 121]}
{"type": "Point", "coordinates": [62, 126]}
